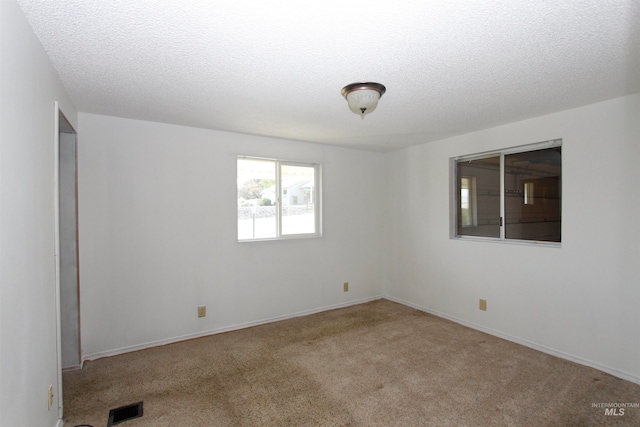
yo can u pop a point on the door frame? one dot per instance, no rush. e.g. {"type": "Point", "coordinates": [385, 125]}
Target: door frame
{"type": "Point", "coordinates": [58, 114]}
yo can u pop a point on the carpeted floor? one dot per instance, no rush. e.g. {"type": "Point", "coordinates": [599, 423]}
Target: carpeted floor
{"type": "Point", "coordinates": [374, 364]}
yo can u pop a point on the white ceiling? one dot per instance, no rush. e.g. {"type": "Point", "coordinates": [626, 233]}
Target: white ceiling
{"type": "Point", "coordinates": [276, 67]}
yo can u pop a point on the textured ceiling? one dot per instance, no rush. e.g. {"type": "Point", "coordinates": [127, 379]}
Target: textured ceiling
{"type": "Point", "coordinates": [276, 68]}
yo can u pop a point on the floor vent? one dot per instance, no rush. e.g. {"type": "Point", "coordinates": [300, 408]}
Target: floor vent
{"type": "Point", "coordinates": [124, 413]}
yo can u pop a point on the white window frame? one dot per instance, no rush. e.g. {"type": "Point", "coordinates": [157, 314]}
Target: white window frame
{"type": "Point", "coordinates": [316, 197]}
{"type": "Point", "coordinates": [454, 198]}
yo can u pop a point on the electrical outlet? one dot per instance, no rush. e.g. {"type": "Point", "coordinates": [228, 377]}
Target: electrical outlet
{"type": "Point", "coordinates": [202, 311]}
{"type": "Point", "coordinates": [50, 397]}
{"type": "Point", "coordinates": [346, 286]}
{"type": "Point", "coordinates": [483, 304]}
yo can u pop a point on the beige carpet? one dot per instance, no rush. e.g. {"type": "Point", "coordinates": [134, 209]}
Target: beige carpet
{"type": "Point", "coordinates": [375, 364]}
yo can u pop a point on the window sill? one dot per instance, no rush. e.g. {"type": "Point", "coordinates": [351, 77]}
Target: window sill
{"type": "Point", "coordinates": [280, 239]}
{"type": "Point", "coordinates": [509, 241]}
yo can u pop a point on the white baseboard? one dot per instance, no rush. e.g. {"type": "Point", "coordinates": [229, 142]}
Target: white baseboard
{"type": "Point", "coordinates": [128, 349]}
{"type": "Point", "coordinates": [577, 359]}
{"type": "Point", "coordinates": [60, 423]}
{"type": "Point", "coordinates": [573, 358]}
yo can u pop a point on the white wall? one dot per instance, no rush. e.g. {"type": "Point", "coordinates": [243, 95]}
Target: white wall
{"type": "Point", "coordinates": [28, 88]}
{"type": "Point", "coordinates": [579, 301]}
{"type": "Point", "coordinates": [157, 238]}
{"type": "Point", "coordinates": [157, 219]}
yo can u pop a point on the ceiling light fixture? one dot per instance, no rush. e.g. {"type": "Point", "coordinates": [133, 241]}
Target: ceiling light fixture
{"type": "Point", "coordinates": [363, 97]}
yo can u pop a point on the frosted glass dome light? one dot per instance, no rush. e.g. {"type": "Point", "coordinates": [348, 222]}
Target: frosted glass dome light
{"type": "Point", "coordinates": [363, 97]}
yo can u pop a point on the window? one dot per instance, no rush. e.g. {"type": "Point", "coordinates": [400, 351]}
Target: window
{"type": "Point", "coordinates": [512, 194]}
{"type": "Point", "coordinates": [277, 199]}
